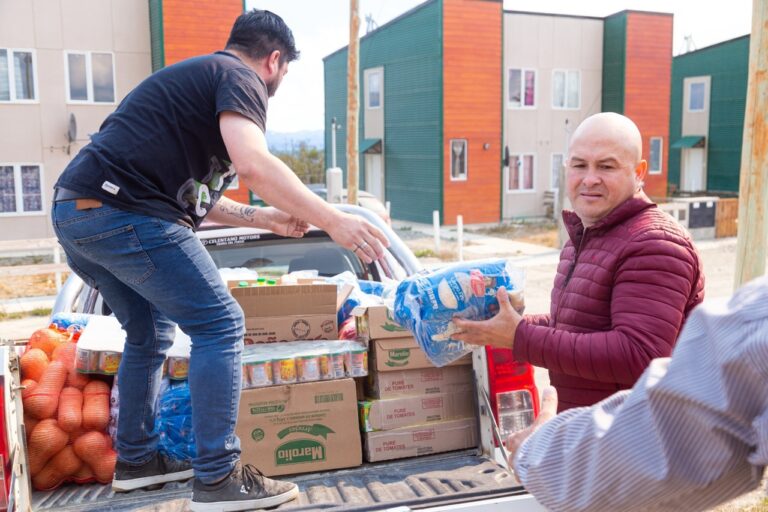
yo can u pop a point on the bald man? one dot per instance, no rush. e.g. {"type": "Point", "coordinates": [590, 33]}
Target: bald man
{"type": "Point", "coordinates": [628, 276]}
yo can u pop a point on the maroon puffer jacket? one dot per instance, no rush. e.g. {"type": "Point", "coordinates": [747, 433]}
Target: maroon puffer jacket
{"type": "Point", "coordinates": [623, 289]}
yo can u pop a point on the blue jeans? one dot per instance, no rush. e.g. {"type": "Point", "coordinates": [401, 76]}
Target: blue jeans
{"type": "Point", "coordinates": [154, 274]}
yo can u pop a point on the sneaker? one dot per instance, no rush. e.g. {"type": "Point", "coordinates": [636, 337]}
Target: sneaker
{"type": "Point", "coordinates": [245, 488]}
{"type": "Point", "coordinates": [158, 470]}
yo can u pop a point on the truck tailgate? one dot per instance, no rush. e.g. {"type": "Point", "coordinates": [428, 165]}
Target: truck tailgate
{"type": "Point", "coordinates": [415, 483]}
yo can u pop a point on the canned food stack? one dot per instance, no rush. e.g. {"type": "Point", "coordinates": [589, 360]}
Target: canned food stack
{"type": "Point", "coordinates": [302, 361]}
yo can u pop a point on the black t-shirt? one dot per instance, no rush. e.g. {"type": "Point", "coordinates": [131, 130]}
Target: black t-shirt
{"type": "Point", "coordinates": [161, 152]}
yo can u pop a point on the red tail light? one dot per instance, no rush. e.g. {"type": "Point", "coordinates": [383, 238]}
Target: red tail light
{"type": "Point", "coordinates": [506, 375]}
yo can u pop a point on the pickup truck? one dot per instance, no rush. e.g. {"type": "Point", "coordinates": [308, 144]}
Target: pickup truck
{"type": "Point", "coordinates": [469, 480]}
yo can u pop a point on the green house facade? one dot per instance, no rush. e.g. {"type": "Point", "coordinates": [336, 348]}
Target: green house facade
{"type": "Point", "coordinates": [709, 95]}
{"type": "Point", "coordinates": [400, 111]}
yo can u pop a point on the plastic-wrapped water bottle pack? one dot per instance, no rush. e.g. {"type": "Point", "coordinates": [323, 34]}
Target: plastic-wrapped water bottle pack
{"type": "Point", "coordinates": [427, 302]}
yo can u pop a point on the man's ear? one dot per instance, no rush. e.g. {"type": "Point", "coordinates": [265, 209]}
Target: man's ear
{"type": "Point", "coordinates": [273, 61]}
{"type": "Point", "coordinates": [641, 170]}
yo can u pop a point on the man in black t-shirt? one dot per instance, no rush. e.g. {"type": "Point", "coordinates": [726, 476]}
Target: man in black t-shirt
{"type": "Point", "coordinates": [125, 209]}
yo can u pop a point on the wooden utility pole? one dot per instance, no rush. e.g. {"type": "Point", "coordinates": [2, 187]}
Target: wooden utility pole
{"type": "Point", "coordinates": [753, 182]}
{"type": "Point", "coordinates": [353, 101]}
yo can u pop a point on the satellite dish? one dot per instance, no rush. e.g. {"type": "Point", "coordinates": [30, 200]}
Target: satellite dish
{"type": "Point", "coordinates": [71, 131]}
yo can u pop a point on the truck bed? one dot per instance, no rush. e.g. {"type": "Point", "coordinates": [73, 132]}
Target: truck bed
{"type": "Point", "coordinates": [420, 482]}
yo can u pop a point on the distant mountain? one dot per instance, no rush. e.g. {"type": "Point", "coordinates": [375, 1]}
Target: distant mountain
{"type": "Point", "coordinates": [284, 141]}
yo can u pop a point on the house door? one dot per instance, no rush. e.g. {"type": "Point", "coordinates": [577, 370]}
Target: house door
{"type": "Point", "coordinates": [374, 175]}
{"type": "Point", "coordinates": [693, 170]}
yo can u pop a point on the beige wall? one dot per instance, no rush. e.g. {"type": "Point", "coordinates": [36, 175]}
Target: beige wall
{"type": "Point", "coordinates": [697, 122]}
{"type": "Point", "coordinates": [374, 117]}
{"type": "Point", "coordinates": [35, 133]}
{"type": "Point", "coordinates": [545, 44]}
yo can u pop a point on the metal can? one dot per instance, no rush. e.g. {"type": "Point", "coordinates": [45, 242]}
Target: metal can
{"type": "Point", "coordinates": [178, 368]}
{"type": "Point", "coordinates": [337, 365]}
{"type": "Point", "coordinates": [86, 361]}
{"type": "Point", "coordinates": [109, 362]}
{"type": "Point", "coordinates": [284, 370]}
{"type": "Point", "coordinates": [308, 368]}
{"type": "Point", "coordinates": [258, 373]}
{"type": "Point", "coordinates": [325, 366]}
{"type": "Point", "coordinates": [356, 362]}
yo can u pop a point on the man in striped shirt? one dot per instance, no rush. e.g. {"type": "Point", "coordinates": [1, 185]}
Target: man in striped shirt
{"type": "Point", "coordinates": [692, 433]}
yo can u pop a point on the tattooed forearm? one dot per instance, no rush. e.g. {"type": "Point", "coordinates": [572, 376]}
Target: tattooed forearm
{"type": "Point", "coordinates": [241, 212]}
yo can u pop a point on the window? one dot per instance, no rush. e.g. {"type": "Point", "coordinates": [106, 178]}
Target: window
{"type": "Point", "coordinates": [20, 189]}
{"type": "Point", "coordinates": [521, 169]}
{"type": "Point", "coordinates": [696, 92]}
{"type": "Point", "coordinates": [654, 159]}
{"type": "Point", "coordinates": [373, 99]}
{"type": "Point", "coordinates": [522, 88]}
{"type": "Point", "coordinates": [566, 89]}
{"type": "Point", "coordinates": [90, 77]}
{"type": "Point", "coordinates": [458, 159]}
{"type": "Point", "coordinates": [18, 82]}
{"type": "Point", "coordinates": [557, 164]}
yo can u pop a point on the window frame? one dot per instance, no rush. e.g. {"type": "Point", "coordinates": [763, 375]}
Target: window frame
{"type": "Point", "coordinates": [520, 180]}
{"type": "Point", "coordinates": [703, 108]}
{"type": "Point", "coordinates": [18, 189]}
{"type": "Point", "coordinates": [522, 105]}
{"type": "Point", "coordinates": [88, 78]}
{"type": "Point", "coordinates": [12, 77]}
{"type": "Point", "coordinates": [465, 175]}
{"type": "Point", "coordinates": [378, 71]}
{"type": "Point", "coordinates": [660, 170]}
{"type": "Point", "coordinates": [565, 106]}
{"type": "Point", "coordinates": [552, 168]}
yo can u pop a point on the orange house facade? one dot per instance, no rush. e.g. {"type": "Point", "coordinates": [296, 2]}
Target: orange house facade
{"type": "Point", "coordinates": [181, 29]}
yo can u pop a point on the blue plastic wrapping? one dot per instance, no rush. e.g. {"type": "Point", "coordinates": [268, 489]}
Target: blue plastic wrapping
{"type": "Point", "coordinates": [363, 293]}
{"type": "Point", "coordinates": [174, 422]}
{"type": "Point", "coordinates": [426, 303]}
{"type": "Point", "coordinates": [71, 322]}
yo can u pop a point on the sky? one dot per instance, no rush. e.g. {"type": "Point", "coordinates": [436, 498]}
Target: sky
{"type": "Point", "coordinates": [321, 27]}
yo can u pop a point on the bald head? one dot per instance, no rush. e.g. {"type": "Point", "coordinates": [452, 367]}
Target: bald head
{"type": "Point", "coordinates": [605, 165]}
{"type": "Point", "coordinates": [609, 126]}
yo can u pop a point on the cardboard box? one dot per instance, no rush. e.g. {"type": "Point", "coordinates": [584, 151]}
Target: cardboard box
{"type": "Point", "coordinates": [438, 437]}
{"type": "Point", "coordinates": [403, 354]}
{"type": "Point", "coordinates": [376, 322]}
{"type": "Point", "coordinates": [288, 313]}
{"type": "Point", "coordinates": [415, 410]}
{"type": "Point", "coordinates": [421, 381]}
{"type": "Point", "coordinates": [299, 428]}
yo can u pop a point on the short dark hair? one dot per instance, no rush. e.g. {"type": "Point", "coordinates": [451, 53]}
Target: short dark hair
{"type": "Point", "coordinates": [258, 33]}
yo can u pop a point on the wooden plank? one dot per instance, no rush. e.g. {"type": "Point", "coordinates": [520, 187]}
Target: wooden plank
{"type": "Point", "coordinates": [753, 181]}
{"type": "Point", "coordinates": [28, 245]}
{"type": "Point", "coordinates": [725, 217]}
{"type": "Point", "coordinates": [472, 107]}
{"type": "Point", "coordinates": [30, 270]}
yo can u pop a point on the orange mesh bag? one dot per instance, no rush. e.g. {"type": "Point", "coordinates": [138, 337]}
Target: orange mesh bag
{"type": "Point", "coordinates": [33, 364]}
{"type": "Point", "coordinates": [84, 474]}
{"type": "Point", "coordinates": [46, 340]}
{"type": "Point", "coordinates": [95, 449]}
{"type": "Point", "coordinates": [70, 409]}
{"type": "Point", "coordinates": [95, 406]}
{"type": "Point", "coordinates": [66, 353]}
{"type": "Point", "coordinates": [59, 469]}
{"type": "Point", "coordinates": [43, 400]}
{"type": "Point", "coordinates": [45, 441]}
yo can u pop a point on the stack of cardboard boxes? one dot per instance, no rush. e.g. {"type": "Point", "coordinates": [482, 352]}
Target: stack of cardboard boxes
{"type": "Point", "coordinates": [296, 428]}
{"type": "Point", "coordinates": [411, 408]}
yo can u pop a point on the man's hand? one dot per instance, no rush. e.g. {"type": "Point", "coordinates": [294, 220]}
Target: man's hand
{"type": "Point", "coordinates": [547, 412]}
{"type": "Point", "coordinates": [498, 331]}
{"type": "Point", "coordinates": [284, 224]}
{"type": "Point", "coordinates": [358, 235]}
